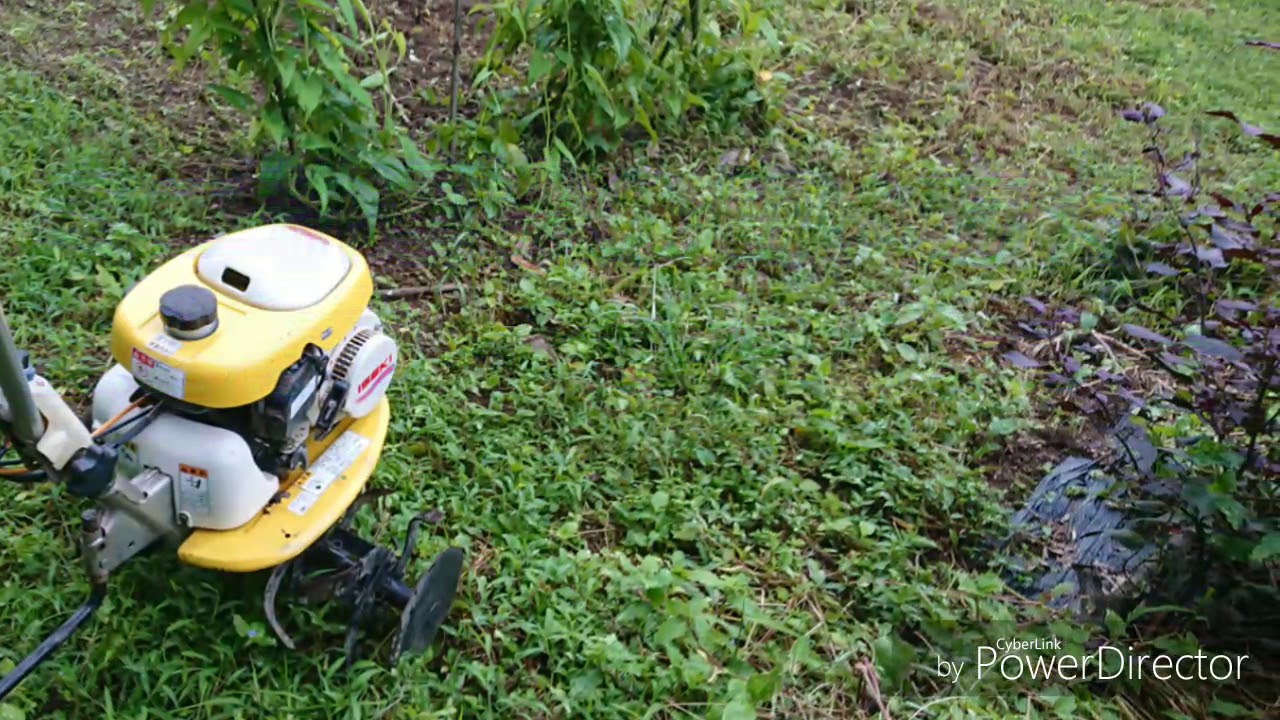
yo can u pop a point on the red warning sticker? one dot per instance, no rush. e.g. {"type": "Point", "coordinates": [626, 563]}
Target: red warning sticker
{"type": "Point", "coordinates": [167, 379]}
{"type": "Point", "coordinates": [193, 490]}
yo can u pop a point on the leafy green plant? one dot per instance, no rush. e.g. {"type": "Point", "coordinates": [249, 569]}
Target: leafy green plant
{"type": "Point", "coordinates": [1193, 401]}
{"type": "Point", "coordinates": [318, 92]}
{"type": "Point", "coordinates": [596, 73]}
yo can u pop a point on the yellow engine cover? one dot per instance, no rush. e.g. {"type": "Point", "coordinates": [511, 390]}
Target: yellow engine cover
{"type": "Point", "coordinates": [312, 502]}
{"type": "Point", "coordinates": [299, 286]}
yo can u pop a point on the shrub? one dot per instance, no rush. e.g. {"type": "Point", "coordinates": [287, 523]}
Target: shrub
{"type": "Point", "coordinates": [314, 76]}
{"type": "Point", "coordinates": [1192, 397]}
{"type": "Point", "coordinates": [595, 73]}
{"type": "Point", "coordinates": [324, 109]}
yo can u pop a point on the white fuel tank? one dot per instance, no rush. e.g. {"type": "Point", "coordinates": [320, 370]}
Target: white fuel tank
{"type": "Point", "coordinates": [217, 484]}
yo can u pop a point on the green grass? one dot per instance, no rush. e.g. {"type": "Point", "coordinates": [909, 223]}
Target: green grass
{"type": "Point", "coordinates": [760, 448]}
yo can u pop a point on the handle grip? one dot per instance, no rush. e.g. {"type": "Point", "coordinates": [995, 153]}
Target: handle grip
{"type": "Point", "coordinates": [27, 424]}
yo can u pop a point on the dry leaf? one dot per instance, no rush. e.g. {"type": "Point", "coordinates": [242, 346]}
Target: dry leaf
{"type": "Point", "coordinates": [539, 344]}
{"type": "Point", "coordinates": [734, 158]}
{"type": "Point", "coordinates": [521, 262]}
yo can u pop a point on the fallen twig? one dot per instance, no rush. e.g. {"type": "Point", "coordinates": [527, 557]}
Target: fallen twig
{"type": "Point", "coordinates": [1108, 340]}
{"type": "Point", "coordinates": [872, 678]}
{"type": "Point", "coordinates": [520, 261]}
{"type": "Point", "coordinates": [453, 70]}
{"type": "Point", "coordinates": [416, 290]}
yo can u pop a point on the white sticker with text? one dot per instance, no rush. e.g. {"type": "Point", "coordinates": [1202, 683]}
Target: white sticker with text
{"type": "Point", "coordinates": [167, 379]}
{"type": "Point", "coordinates": [331, 465]}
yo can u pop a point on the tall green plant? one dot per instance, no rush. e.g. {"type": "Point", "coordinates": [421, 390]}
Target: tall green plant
{"type": "Point", "coordinates": [594, 71]}
{"type": "Point", "coordinates": [314, 76]}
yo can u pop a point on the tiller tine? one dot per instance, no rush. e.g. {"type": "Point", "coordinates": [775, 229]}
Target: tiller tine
{"type": "Point", "coordinates": [361, 575]}
{"type": "Point", "coordinates": [429, 604]}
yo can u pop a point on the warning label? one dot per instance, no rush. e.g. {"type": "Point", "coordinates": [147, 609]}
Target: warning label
{"type": "Point", "coordinates": [331, 465]}
{"type": "Point", "coordinates": [193, 490]}
{"type": "Point", "coordinates": [165, 378]}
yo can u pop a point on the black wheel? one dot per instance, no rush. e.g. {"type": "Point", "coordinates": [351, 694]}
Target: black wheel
{"type": "Point", "coordinates": [427, 609]}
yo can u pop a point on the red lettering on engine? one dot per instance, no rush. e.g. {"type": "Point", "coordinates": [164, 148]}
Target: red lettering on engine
{"type": "Point", "coordinates": [379, 373]}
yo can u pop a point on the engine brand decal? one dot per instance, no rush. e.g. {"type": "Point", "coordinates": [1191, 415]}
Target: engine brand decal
{"type": "Point", "coordinates": [164, 344]}
{"type": "Point", "coordinates": [380, 373]}
{"type": "Point", "coordinates": [193, 490]}
{"type": "Point", "coordinates": [331, 465]}
{"type": "Point", "coordinates": [165, 378]}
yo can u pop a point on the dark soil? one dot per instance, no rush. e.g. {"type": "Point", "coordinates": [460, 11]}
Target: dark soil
{"type": "Point", "coordinates": [1027, 456]}
{"type": "Point", "coordinates": [424, 77]}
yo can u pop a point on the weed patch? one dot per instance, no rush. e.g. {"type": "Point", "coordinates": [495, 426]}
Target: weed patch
{"type": "Point", "coordinates": [719, 419]}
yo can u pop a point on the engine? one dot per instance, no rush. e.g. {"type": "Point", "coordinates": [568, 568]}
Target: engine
{"type": "Point", "coordinates": [253, 351]}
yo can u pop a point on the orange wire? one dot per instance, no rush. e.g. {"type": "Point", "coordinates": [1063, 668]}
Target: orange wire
{"type": "Point", "coordinates": [96, 433]}
{"type": "Point", "coordinates": [111, 423]}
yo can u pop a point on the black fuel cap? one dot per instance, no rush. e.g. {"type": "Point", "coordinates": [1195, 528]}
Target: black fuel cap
{"type": "Point", "coordinates": [189, 312]}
